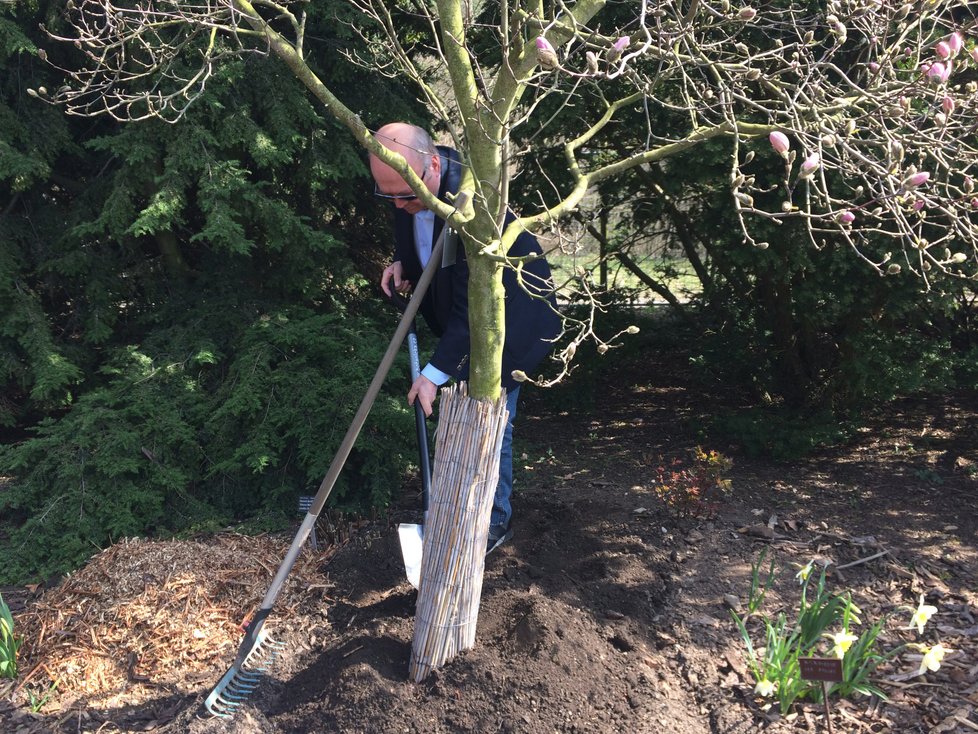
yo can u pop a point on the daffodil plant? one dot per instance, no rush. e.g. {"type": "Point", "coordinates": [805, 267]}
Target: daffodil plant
{"type": "Point", "coordinates": [9, 644]}
{"type": "Point", "coordinates": [824, 627]}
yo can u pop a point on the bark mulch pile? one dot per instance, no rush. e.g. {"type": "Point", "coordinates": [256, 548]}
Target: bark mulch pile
{"type": "Point", "coordinates": [145, 616]}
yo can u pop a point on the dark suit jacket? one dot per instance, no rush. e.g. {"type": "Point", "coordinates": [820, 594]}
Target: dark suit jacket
{"type": "Point", "coordinates": [531, 323]}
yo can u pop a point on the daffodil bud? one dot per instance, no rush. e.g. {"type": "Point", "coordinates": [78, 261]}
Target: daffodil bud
{"type": "Point", "coordinates": [845, 218]}
{"type": "Point", "coordinates": [780, 142]}
{"type": "Point", "coordinates": [546, 56]}
{"type": "Point", "coordinates": [810, 165]}
{"type": "Point", "coordinates": [747, 13]}
{"type": "Point", "coordinates": [893, 268]}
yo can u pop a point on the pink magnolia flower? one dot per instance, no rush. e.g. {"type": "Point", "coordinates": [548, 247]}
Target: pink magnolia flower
{"type": "Point", "coordinates": [780, 142]}
{"type": "Point", "coordinates": [955, 42]}
{"type": "Point", "coordinates": [845, 217]}
{"type": "Point", "coordinates": [917, 179]}
{"type": "Point", "coordinates": [546, 56]}
{"type": "Point", "coordinates": [943, 50]}
{"type": "Point", "coordinates": [617, 48]}
{"type": "Point", "coordinates": [810, 165]}
{"type": "Point", "coordinates": [939, 71]}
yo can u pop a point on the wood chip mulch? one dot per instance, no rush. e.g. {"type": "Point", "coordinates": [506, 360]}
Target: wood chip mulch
{"type": "Point", "coordinates": [151, 614]}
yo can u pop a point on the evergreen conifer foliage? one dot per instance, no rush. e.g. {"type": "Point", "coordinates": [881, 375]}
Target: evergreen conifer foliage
{"type": "Point", "coordinates": [184, 332]}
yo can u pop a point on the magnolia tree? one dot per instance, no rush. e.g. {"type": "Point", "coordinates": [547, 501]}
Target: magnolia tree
{"type": "Point", "coordinates": [871, 105]}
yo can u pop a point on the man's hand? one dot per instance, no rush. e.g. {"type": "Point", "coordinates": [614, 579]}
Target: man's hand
{"type": "Point", "coordinates": [424, 390]}
{"type": "Point", "coordinates": [394, 272]}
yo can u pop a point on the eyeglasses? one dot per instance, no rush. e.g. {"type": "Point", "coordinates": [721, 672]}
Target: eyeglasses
{"type": "Point", "coordinates": [401, 197]}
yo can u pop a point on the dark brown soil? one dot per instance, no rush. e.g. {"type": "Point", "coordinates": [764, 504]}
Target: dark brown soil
{"type": "Point", "coordinates": [605, 613]}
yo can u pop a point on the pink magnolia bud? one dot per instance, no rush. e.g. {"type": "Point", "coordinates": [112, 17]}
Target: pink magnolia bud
{"type": "Point", "coordinates": [810, 165]}
{"type": "Point", "coordinates": [917, 179]}
{"type": "Point", "coordinates": [747, 13]}
{"type": "Point", "coordinates": [546, 56]}
{"type": "Point", "coordinates": [974, 203]}
{"type": "Point", "coordinates": [845, 217]}
{"type": "Point", "coordinates": [614, 53]}
{"type": "Point", "coordinates": [780, 142]}
{"type": "Point", "coordinates": [948, 104]}
{"type": "Point", "coordinates": [943, 50]}
{"type": "Point", "coordinates": [873, 66]}
{"type": "Point", "coordinates": [939, 71]}
{"type": "Point", "coordinates": [918, 205]}
{"type": "Point", "coordinates": [955, 42]}
{"type": "Point", "coordinates": [974, 54]}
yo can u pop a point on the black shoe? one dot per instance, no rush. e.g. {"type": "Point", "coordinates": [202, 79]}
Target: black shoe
{"type": "Point", "coordinates": [498, 534]}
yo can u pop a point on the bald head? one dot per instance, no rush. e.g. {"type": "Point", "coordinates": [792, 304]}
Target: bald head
{"type": "Point", "coordinates": [418, 150]}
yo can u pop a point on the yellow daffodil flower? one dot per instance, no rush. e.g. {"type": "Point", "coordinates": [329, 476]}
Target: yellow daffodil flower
{"type": "Point", "coordinates": [764, 688]}
{"type": "Point", "coordinates": [932, 658]}
{"type": "Point", "coordinates": [841, 642]}
{"type": "Point", "coordinates": [804, 573]}
{"type": "Point", "coordinates": [922, 615]}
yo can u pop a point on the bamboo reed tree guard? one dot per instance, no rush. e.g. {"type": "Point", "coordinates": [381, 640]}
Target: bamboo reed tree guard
{"type": "Point", "coordinates": [466, 471]}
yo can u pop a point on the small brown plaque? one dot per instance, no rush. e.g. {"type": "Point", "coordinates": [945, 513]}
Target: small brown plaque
{"type": "Point", "coordinates": [824, 669]}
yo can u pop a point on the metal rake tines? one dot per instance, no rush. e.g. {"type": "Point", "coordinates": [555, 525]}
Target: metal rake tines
{"type": "Point", "coordinates": [241, 680]}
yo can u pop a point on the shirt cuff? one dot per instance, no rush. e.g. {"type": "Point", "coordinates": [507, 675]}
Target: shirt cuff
{"type": "Point", "coordinates": [435, 375]}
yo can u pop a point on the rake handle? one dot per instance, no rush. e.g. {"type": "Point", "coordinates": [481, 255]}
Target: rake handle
{"type": "Point", "coordinates": [407, 320]}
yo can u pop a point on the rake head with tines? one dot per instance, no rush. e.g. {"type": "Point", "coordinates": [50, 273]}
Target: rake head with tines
{"type": "Point", "coordinates": [244, 675]}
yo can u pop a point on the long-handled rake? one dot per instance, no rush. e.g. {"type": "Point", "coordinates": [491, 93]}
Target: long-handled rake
{"type": "Point", "coordinates": [258, 651]}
